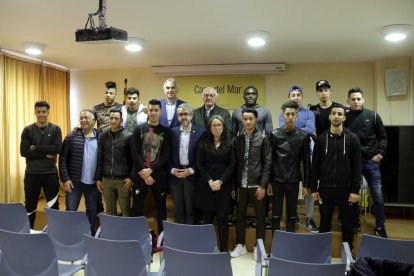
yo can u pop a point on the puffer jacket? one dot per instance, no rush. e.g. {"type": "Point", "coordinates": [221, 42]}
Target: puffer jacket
{"type": "Point", "coordinates": [71, 157]}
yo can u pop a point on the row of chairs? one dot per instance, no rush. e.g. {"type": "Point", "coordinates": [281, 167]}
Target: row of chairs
{"type": "Point", "coordinates": [310, 254]}
{"type": "Point", "coordinates": [122, 244]}
{"type": "Point", "coordinates": [188, 249]}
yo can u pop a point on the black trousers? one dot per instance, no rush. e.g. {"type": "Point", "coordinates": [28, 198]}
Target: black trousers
{"type": "Point", "coordinates": [33, 183]}
{"type": "Point", "coordinates": [244, 195]}
{"type": "Point", "coordinates": [329, 197]}
{"type": "Point", "coordinates": [182, 193]}
{"type": "Point", "coordinates": [289, 191]}
{"type": "Point", "coordinates": [159, 190]}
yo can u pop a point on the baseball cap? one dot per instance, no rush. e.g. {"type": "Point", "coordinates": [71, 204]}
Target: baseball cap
{"type": "Point", "coordinates": [322, 83]}
{"type": "Point", "coordinates": [295, 88]}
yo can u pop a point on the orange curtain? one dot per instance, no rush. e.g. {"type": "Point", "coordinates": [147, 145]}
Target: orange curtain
{"type": "Point", "coordinates": [22, 83]}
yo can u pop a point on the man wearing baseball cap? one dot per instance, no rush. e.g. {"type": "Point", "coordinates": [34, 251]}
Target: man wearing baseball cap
{"type": "Point", "coordinates": [324, 107]}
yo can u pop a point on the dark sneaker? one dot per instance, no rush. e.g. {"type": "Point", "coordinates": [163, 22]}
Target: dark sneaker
{"type": "Point", "coordinates": [380, 232]}
{"type": "Point", "coordinates": [311, 226]}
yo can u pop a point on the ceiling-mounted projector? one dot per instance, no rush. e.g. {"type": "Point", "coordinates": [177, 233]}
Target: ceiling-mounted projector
{"type": "Point", "coordinates": [108, 34]}
{"type": "Point", "coordinates": [102, 33]}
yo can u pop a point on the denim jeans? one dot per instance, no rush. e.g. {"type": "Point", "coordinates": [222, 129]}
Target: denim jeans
{"type": "Point", "coordinates": [91, 194]}
{"type": "Point", "coordinates": [371, 172]}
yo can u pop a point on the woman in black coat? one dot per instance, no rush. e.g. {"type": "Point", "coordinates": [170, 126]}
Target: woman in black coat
{"type": "Point", "coordinates": [215, 163]}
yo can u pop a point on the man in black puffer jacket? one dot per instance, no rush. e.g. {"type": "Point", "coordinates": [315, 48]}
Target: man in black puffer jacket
{"type": "Point", "coordinates": [77, 166]}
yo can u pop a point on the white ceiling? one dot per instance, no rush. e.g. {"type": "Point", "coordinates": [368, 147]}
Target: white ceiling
{"type": "Point", "coordinates": [181, 32]}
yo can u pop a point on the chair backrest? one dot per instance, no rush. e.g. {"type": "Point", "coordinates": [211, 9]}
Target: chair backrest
{"type": "Point", "coordinates": [372, 246]}
{"type": "Point", "coordinates": [27, 254]}
{"type": "Point", "coordinates": [111, 257]}
{"type": "Point", "coordinates": [127, 228]}
{"type": "Point", "coordinates": [66, 230]}
{"type": "Point", "coordinates": [281, 267]}
{"type": "Point", "coordinates": [300, 247]}
{"type": "Point", "coordinates": [184, 263]}
{"type": "Point", "coordinates": [13, 217]}
{"type": "Point", "coordinates": [193, 238]}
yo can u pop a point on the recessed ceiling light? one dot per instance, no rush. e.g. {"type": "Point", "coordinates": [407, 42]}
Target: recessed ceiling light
{"type": "Point", "coordinates": [33, 48]}
{"type": "Point", "coordinates": [396, 32]}
{"type": "Point", "coordinates": [135, 44]}
{"type": "Point", "coordinates": [257, 38]}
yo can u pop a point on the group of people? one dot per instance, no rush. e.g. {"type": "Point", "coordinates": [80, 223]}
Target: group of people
{"type": "Point", "coordinates": [212, 161]}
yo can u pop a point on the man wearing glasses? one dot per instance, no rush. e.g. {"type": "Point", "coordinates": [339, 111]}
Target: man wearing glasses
{"type": "Point", "coordinates": [182, 166]}
{"type": "Point", "coordinates": [203, 114]}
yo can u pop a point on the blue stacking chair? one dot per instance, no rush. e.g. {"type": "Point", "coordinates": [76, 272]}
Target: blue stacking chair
{"type": "Point", "coordinates": [31, 254]}
{"type": "Point", "coordinates": [298, 247]}
{"type": "Point", "coordinates": [66, 230]}
{"type": "Point", "coordinates": [373, 246]}
{"type": "Point", "coordinates": [184, 263]}
{"type": "Point", "coordinates": [114, 257]}
{"type": "Point", "coordinates": [127, 228]}
{"type": "Point", "coordinates": [281, 267]}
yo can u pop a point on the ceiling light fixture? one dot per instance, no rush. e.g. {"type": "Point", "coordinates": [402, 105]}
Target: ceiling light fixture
{"type": "Point", "coordinates": [135, 44]}
{"type": "Point", "coordinates": [257, 38]}
{"type": "Point", "coordinates": [33, 48]}
{"type": "Point", "coordinates": [396, 32]}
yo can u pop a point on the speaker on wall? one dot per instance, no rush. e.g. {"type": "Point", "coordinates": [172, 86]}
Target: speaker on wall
{"type": "Point", "coordinates": [396, 81]}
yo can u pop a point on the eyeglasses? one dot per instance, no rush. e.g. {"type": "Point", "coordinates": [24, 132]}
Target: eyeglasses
{"type": "Point", "coordinates": [209, 95]}
{"type": "Point", "coordinates": [185, 114]}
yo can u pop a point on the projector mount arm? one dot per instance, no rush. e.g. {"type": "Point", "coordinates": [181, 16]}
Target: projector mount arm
{"type": "Point", "coordinates": [102, 17]}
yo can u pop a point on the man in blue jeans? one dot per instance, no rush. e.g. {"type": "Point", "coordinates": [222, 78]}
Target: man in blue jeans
{"type": "Point", "coordinates": [368, 126]}
{"type": "Point", "coordinates": [77, 166]}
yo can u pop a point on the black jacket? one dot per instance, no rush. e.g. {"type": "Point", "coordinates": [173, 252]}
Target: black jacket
{"type": "Point", "coordinates": [368, 126]}
{"type": "Point", "coordinates": [290, 156]}
{"type": "Point", "coordinates": [200, 117]}
{"type": "Point", "coordinates": [336, 162]}
{"type": "Point", "coordinates": [71, 157]}
{"type": "Point", "coordinates": [260, 158]}
{"type": "Point", "coordinates": [114, 159]}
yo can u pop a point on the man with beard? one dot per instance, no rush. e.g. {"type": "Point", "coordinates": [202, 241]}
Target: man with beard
{"type": "Point", "coordinates": [102, 110]}
{"type": "Point", "coordinates": [133, 113]}
{"type": "Point", "coordinates": [336, 164]}
{"type": "Point", "coordinates": [182, 166]}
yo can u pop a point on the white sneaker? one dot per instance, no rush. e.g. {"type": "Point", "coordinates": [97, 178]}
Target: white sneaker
{"type": "Point", "coordinates": [239, 250]}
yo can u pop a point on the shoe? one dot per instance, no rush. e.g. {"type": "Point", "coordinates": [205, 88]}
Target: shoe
{"type": "Point", "coordinates": [239, 250]}
{"type": "Point", "coordinates": [380, 232]}
{"type": "Point", "coordinates": [297, 219]}
{"type": "Point", "coordinates": [255, 253]}
{"type": "Point", "coordinates": [311, 226]}
{"type": "Point", "coordinates": [268, 224]}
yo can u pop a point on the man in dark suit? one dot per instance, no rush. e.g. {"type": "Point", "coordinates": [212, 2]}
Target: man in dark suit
{"type": "Point", "coordinates": [169, 105]}
{"type": "Point", "coordinates": [182, 165]}
{"type": "Point", "coordinates": [204, 113]}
